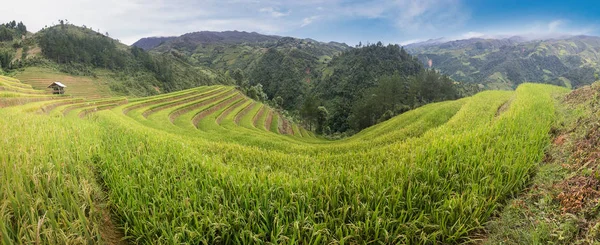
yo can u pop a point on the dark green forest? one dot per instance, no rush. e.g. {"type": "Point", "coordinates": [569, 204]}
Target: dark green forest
{"type": "Point", "coordinates": [80, 50]}
{"type": "Point", "coordinates": [370, 84]}
{"type": "Point", "coordinates": [10, 34]}
{"type": "Point", "coordinates": [330, 91]}
{"type": "Point", "coordinates": [356, 89]}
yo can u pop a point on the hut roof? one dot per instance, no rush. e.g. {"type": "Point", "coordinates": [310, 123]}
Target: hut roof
{"type": "Point", "coordinates": [57, 84]}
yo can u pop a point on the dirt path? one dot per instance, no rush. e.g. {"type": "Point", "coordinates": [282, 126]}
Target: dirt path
{"type": "Point", "coordinates": [504, 107]}
{"type": "Point", "coordinates": [49, 108]}
{"type": "Point", "coordinates": [110, 233]}
{"type": "Point", "coordinates": [108, 102]}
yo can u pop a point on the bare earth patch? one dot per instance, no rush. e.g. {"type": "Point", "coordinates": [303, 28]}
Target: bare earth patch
{"type": "Point", "coordinates": [111, 235]}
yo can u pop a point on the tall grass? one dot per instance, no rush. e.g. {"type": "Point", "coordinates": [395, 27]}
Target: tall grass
{"type": "Point", "coordinates": [48, 189]}
{"type": "Point", "coordinates": [432, 175]}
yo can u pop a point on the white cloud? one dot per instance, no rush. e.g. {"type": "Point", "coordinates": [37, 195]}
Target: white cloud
{"type": "Point", "coordinates": [554, 25]}
{"type": "Point", "coordinates": [134, 19]}
{"type": "Point", "coordinates": [273, 12]}
{"type": "Point", "coordinates": [131, 20]}
{"type": "Point", "coordinates": [308, 20]}
{"type": "Point", "coordinates": [472, 34]}
{"type": "Point", "coordinates": [412, 15]}
{"type": "Point", "coordinates": [531, 30]}
{"type": "Point", "coordinates": [431, 15]}
{"type": "Point", "coordinates": [410, 41]}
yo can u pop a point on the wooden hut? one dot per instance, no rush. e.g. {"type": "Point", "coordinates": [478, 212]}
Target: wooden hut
{"type": "Point", "coordinates": [57, 88]}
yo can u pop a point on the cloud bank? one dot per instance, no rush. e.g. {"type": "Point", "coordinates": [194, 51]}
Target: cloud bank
{"type": "Point", "coordinates": [398, 21]}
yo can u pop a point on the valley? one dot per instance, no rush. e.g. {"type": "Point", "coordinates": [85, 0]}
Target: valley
{"type": "Point", "coordinates": [240, 137]}
{"type": "Point", "coordinates": [210, 165]}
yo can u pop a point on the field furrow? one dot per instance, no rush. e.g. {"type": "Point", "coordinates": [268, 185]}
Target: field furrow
{"type": "Point", "coordinates": [159, 99]}
{"type": "Point", "coordinates": [174, 102]}
{"type": "Point", "coordinates": [67, 110]}
{"type": "Point", "coordinates": [211, 166]}
{"type": "Point", "coordinates": [238, 105]}
{"type": "Point", "coordinates": [259, 120]}
{"type": "Point", "coordinates": [199, 104]}
{"type": "Point", "coordinates": [216, 107]}
{"type": "Point", "coordinates": [244, 112]}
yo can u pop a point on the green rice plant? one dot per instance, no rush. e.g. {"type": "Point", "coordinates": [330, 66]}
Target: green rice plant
{"type": "Point", "coordinates": [48, 192]}
{"type": "Point", "coordinates": [214, 169]}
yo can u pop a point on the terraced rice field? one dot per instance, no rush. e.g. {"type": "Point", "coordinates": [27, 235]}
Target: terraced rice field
{"type": "Point", "coordinates": [210, 166]}
{"type": "Point", "coordinates": [79, 86]}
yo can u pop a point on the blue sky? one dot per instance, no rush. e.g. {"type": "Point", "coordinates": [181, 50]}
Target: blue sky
{"type": "Point", "coordinates": [350, 21]}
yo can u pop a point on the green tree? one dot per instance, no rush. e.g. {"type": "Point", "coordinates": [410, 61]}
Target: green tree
{"type": "Point", "coordinates": [310, 112]}
{"type": "Point", "coordinates": [322, 116]}
{"type": "Point", "coordinates": [6, 34]}
{"type": "Point", "coordinates": [6, 57]}
{"type": "Point", "coordinates": [238, 76]}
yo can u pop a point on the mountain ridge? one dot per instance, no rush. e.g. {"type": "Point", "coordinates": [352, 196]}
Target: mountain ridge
{"type": "Point", "coordinates": [504, 63]}
{"type": "Point", "coordinates": [148, 43]}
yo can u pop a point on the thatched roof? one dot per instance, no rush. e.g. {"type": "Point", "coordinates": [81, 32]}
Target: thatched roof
{"type": "Point", "coordinates": [57, 84]}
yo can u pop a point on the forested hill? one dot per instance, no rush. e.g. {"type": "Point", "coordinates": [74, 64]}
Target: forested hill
{"type": "Point", "coordinates": [148, 43]}
{"type": "Point", "coordinates": [331, 87]}
{"type": "Point", "coordinates": [83, 51]}
{"type": "Point", "coordinates": [230, 50]}
{"type": "Point", "coordinates": [505, 63]}
{"type": "Point", "coordinates": [370, 84]}
{"type": "Point", "coordinates": [328, 87]}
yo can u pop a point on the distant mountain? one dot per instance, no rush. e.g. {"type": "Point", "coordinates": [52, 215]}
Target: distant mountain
{"type": "Point", "coordinates": [505, 63]}
{"type": "Point", "coordinates": [225, 37]}
{"type": "Point", "coordinates": [283, 66]}
{"type": "Point", "coordinates": [230, 50]}
{"type": "Point", "coordinates": [429, 42]}
{"type": "Point", "coordinates": [148, 43]}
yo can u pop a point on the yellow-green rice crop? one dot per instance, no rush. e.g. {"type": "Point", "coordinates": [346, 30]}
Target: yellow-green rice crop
{"type": "Point", "coordinates": [214, 169]}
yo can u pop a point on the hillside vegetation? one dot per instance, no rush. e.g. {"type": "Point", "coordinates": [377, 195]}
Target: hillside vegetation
{"type": "Point", "coordinates": [209, 165]}
{"type": "Point", "coordinates": [69, 50]}
{"type": "Point", "coordinates": [10, 33]}
{"type": "Point", "coordinates": [371, 84]}
{"type": "Point", "coordinates": [505, 63]}
{"type": "Point", "coordinates": [232, 50]}
{"type": "Point", "coordinates": [330, 87]}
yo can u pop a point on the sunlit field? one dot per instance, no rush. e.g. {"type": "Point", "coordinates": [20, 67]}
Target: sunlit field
{"type": "Point", "coordinates": [211, 166]}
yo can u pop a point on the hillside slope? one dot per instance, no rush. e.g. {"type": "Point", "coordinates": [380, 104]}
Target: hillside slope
{"type": "Point", "coordinates": [148, 43]}
{"type": "Point", "coordinates": [231, 50]}
{"type": "Point", "coordinates": [561, 206]}
{"type": "Point", "coordinates": [505, 63]}
{"type": "Point", "coordinates": [65, 51]}
{"type": "Point", "coordinates": [209, 165]}
{"type": "Point", "coordinates": [328, 85]}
